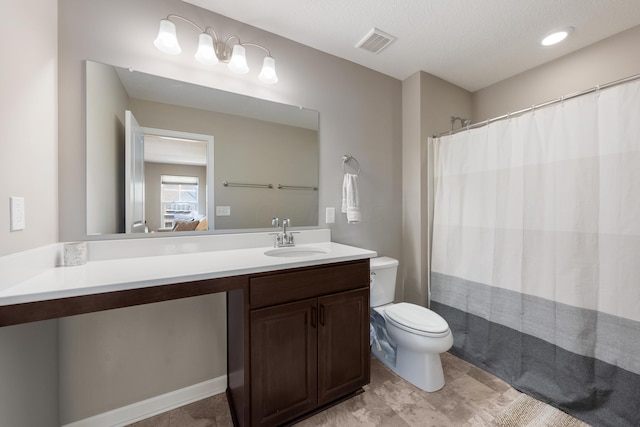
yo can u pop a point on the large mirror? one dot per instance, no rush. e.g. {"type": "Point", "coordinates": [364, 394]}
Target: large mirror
{"type": "Point", "coordinates": [165, 156]}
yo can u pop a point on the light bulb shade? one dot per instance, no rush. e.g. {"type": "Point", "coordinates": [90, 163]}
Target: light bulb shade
{"type": "Point", "coordinates": [268, 73]}
{"type": "Point", "coordinates": [206, 54]}
{"type": "Point", "coordinates": [167, 40]}
{"type": "Point", "coordinates": [238, 62]}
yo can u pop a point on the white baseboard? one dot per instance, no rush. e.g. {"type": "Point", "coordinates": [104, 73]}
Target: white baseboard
{"type": "Point", "coordinates": [156, 405]}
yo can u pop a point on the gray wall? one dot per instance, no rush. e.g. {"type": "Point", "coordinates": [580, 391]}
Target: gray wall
{"type": "Point", "coordinates": [29, 375]}
{"type": "Point", "coordinates": [105, 131]}
{"type": "Point", "coordinates": [117, 357]}
{"type": "Point", "coordinates": [29, 121]}
{"type": "Point", "coordinates": [28, 168]}
{"type": "Point", "coordinates": [360, 114]}
{"type": "Point", "coordinates": [428, 104]}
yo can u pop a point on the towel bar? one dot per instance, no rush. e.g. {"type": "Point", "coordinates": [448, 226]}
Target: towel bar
{"type": "Point", "coordinates": [240, 184]}
{"type": "Point", "coordinates": [295, 187]}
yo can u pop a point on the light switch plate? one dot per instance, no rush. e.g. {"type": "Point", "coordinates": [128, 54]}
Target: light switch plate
{"type": "Point", "coordinates": [223, 210]}
{"type": "Point", "coordinates": [17, 213]}
{"type": "Point", "coordinates": [330, 215]}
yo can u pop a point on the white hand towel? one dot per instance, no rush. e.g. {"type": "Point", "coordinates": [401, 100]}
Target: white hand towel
{"type": "Point", "coordinates": [350, 200]}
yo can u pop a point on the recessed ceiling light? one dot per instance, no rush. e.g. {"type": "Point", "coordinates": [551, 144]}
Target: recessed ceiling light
{"type": "Point", "coordinates": [556, 36]}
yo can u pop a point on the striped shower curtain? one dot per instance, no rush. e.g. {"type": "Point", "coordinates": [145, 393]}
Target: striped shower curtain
{"type": "Point", "coordinates": [536, 251]}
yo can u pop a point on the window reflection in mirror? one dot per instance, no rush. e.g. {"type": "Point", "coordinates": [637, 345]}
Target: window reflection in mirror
{"type": "Point", "coordinates": [179, 202]}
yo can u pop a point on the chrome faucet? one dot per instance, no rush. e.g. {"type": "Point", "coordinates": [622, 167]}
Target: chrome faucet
{"type": "Point", "coordinates": [285, 238]}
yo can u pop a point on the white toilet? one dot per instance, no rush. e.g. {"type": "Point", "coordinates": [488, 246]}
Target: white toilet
{"type": "Point", "coordinates": [407, 338]}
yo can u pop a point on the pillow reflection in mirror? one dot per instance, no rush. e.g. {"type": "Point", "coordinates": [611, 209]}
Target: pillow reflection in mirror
{"type": "Point", "coordinates": [203, 224]}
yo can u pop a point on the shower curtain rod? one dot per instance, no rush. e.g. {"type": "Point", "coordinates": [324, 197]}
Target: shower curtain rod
{"type": "Point", "coordinates": [544, 104]}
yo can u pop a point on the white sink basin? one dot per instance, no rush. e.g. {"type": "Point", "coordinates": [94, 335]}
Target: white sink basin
{"type": "Point", "coordinates": [296, 251]}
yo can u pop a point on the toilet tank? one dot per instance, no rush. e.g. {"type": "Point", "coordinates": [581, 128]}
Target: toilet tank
{"type": "Point", "coordinates": [383, 280]}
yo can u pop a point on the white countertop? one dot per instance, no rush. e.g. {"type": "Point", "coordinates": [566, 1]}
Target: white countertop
{"type": "Point", "coordinates": [107, 275]}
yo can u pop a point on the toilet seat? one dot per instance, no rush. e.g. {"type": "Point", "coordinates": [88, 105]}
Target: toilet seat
{"type": "Point", "coordinates": [416, 319]}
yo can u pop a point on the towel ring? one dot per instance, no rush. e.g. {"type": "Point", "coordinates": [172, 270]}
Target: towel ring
{"type": "Point", "coordinates": [345, 159]}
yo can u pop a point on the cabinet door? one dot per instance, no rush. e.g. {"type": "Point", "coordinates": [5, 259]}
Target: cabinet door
{"type": "Point", "coordinates": [343, 344]}
{"type": "Point", "coordinates": [283, 362]}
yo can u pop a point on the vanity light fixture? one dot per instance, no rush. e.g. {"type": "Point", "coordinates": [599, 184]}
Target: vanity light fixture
{"type": "Point", "coordinates": [556, 36]}
{"type": "Point", "coordinates": [211, 50]}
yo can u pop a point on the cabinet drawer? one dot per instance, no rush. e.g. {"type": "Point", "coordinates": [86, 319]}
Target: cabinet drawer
{"type": "Point", "coordinates": [277, 288]}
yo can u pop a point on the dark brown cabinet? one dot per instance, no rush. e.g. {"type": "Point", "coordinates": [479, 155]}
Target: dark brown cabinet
{"type": "Point", "coordinates": [283, 362]}
{"type": "Point", "coordinates": [308, 343]}
{"type": "Point", "coordinates": [343, 344]}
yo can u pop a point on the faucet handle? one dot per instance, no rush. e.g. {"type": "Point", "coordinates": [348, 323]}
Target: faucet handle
{"type": "Point", "coordinates": [290, 237]}
{"type": "Point", "coordinates": [275, 222]}
{"type": "Point", "coordinates": [278, 241]}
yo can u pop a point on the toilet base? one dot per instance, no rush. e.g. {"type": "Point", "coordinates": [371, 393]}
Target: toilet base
{"type": "Point", "coordinates": [422, 370]}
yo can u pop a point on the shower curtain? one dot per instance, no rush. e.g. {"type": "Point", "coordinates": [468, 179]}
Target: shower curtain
{"type": "Point", "coordinates": [536, 251]}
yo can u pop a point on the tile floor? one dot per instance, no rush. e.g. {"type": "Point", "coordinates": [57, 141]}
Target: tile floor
{"type": "Point", "coordinates": [470, 397]}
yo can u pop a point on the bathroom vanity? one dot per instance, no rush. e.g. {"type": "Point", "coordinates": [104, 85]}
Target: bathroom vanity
{"type": "Point", "coordinates": [297, 324]}
{"type": "Point", "coordinates": [297, 341]}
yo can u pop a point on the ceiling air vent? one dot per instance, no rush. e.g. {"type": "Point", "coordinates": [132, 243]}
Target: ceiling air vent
{"type": "Point", "coordinates": [375, 41]}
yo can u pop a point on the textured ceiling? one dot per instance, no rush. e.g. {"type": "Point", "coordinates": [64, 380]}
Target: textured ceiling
{"type": "Point", "coordinates": [471, 43]}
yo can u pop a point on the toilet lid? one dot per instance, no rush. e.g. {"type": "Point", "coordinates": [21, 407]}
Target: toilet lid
{"type": "Point", "coordinates": [417, 317]}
